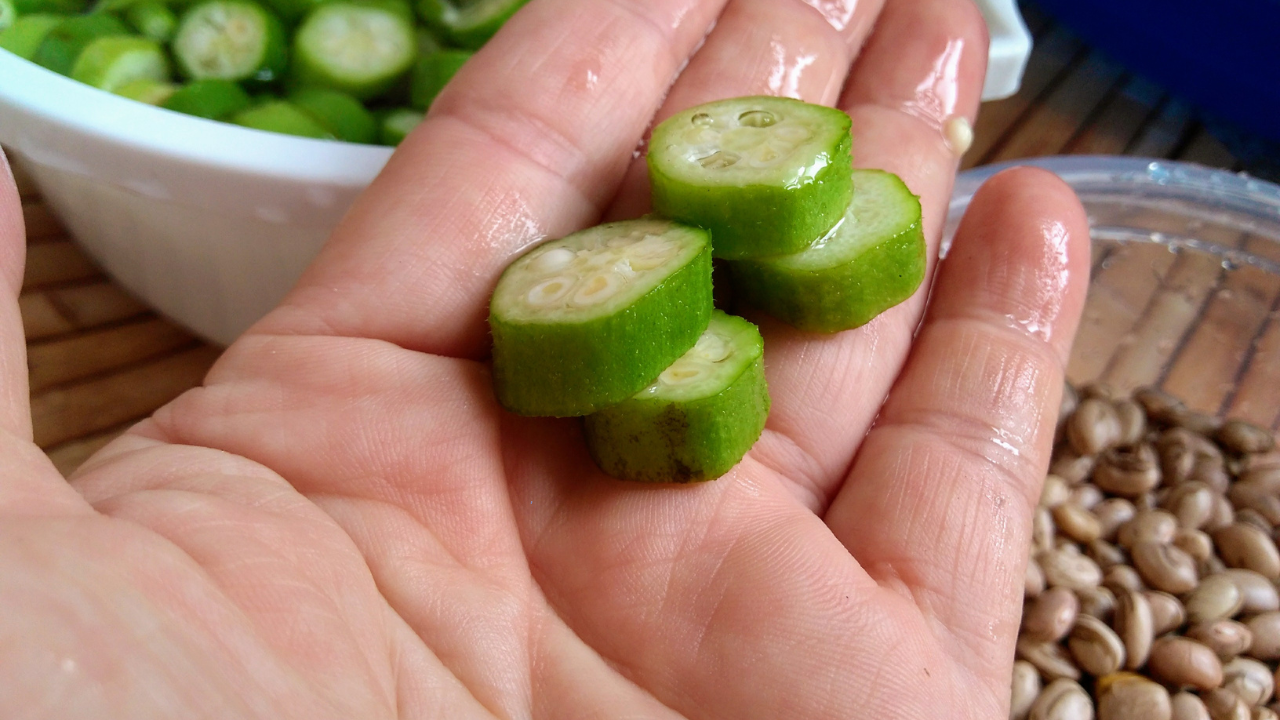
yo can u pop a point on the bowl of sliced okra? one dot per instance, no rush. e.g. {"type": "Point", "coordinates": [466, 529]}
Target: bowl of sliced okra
{"type": "Point", "coordinates": [202, 150]}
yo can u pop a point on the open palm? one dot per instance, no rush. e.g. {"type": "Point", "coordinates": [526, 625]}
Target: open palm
{"type": "Point", "coordinates": [341, 523]}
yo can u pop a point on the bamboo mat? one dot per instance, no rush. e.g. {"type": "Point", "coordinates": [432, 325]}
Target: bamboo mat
{"type": "Point", "coordinates": [100, 360]}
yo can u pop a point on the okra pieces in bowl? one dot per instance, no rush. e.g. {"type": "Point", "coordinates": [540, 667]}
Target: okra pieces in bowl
{"type": "Point", "coordinates": [361, 71]}
{"type": "Point", "coordinates": [617, 323]}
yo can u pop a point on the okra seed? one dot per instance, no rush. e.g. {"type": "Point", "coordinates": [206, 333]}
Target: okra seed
{"type": "Point", "coordinates": [757, 118]}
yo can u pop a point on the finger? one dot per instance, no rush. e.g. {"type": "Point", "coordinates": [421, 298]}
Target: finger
{"type": "Point", "coordinates": [923, 64]}
{"type": "Point", "coordinates": [28, 481]}
{"type": "Point", "coordinates": [938, 504]}
{"type": "Point", "coordinates": [763, 47]}
{"type": "Point", "coordinates": [530, 140]}
{"type": "Point", "coordinates": [15, 405]}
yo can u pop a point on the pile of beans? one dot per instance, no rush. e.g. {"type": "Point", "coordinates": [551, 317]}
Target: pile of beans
{"type": "Point", "coordinates": [1152, 586]}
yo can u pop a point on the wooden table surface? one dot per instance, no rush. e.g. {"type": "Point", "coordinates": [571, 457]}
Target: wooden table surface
{"type": "Point", "coordinates": [100, 360]}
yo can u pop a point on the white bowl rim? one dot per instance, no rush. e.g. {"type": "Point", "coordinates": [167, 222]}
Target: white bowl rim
{"type": "Point", "coordinates": [88, 111]}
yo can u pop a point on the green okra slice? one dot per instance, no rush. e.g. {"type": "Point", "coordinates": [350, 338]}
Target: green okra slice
{"type": "Point", "coordinates": [151, 92]}
{"type": "Point", "coordinates": [873, 260]}
{"type": "Point", "coordinates": [589, 320]}
{"type": "Point", "coordinates": [338, 112]}
{"type": "Point", "coordinates": [209, 99]}
{"type": "Point", "coordinates": [280, 116]}
{"type": "Point", "coordinates": [697, 420]}
{"type": "Point", "coordinates": [153, 19]}
{"type": "Point", "coordinates": [432, 72]}
{"type": "Point", "coordinates": [63, 44]}
{"type": "Point", "coordinates": [396, 124]}
{"type": "Point", "coordinates": [765, 175]}
{"type": "Point", "coordinates": [8, 14]}
{"type": "Point", "coordinates": [109, 63]}
{"type": "Point", "coordinates": [468, 23]}
{"type": "Point", "coordinates": [235, 40]}
{"type": "Point", "coordinates": [27, 33]}
{"type": "Point", "coordinates": [361, 49]}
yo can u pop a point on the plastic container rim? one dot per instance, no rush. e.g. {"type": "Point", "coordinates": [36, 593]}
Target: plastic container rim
{"type": "Point", "coordinates": [1207, 195]}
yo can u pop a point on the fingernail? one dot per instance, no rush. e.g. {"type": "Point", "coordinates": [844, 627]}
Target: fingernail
{"type": "Point", "coordinates": [4, 160]}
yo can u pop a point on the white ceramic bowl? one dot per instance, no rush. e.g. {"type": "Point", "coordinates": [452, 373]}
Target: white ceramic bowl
{"type": "Point", "coordinates": [207, 222]}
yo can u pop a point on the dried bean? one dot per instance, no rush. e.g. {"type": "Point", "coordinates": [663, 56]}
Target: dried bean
{"type": "Point", "coordinates": [1161, 407]}
{"type": "Point", "coordinates": [1086, 496]}
{"type": "Point", "coordinates": [1075, 469]}
{"type": "Point", "coordinates": [1195, 543]}
{"type": "Point", "coordinates": [1054, 492]}
{"type": "Point", "coordinates": [1051, 616]}
{"type": "Point", "coordinates": [1026, 687]}
{"type": "Point", "coordinates": [1226, 705]}
{"type": "Point", "coordinates": [1241, 545]}
{"type": "Point", "coordinates": [1133, 422]}
{"type": "Point", "coordinates": [1112, 513]}
{"type": "Point", "coordinates": [1135, 626]}
{"type": "Point", "coordinates": [1096, 647]}
{"type": "Point", "coordinates": [1063, 568]}
{"type": "Point", "coordinates": [1257, 497]}
{"type": "Point", "coordinates": [1181, 661]}
{"type": "Point", "coordinates": [1188, 707]}
{"type": "Point", "coordinates": [1167, 613]}
{"type": "Point", "coordinates": [1122, 577]}
{"type": "Point", "coordinates": [1165, 567]}
{"type": "Point", "coordinates": [1244, 437]}
{"type": "Point", "coordinates": [1076, 522]}
{"type": "Point", "coordinates": [1191, 503]}
{"type": "Point", "coordinates": [1226, 638]}
{"type": "Point", "coordinates": [1128, 471]}
{"type": "Point", "coordinates": [1155, 526]}
{"type": "Point", "coordinates": [1266, 635]}
{"type": "Point", "coordinates": [1062, 699]}
{"type": "Point", "coordinates": [1223, 515]}
{"type": "Point", "coordinates": [1259, 593]}
{"type": "Point", "coordinates": [1051, 659]}
{"type": "Point", "coordinates": [1123, 695]}
{"type": "Point", "coordinates": [1249, 679]}
{"type": "Point", "coordinates": [1093, 427]}
{"type": "Point", "coordinates": [1216, 598]}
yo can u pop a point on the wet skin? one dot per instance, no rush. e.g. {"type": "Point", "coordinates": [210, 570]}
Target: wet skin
{"type": "Point", "coordinates": [342, 523]}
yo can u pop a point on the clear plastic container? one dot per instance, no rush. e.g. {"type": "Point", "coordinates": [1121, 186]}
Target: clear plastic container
{"type": "Point", "coordinates": [1185, 291]}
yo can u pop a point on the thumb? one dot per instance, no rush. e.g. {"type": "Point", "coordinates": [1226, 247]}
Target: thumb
{"type": "Point", "coordinates": [28, 481]}
{"type": "Point", "coordinates": [15, 404]}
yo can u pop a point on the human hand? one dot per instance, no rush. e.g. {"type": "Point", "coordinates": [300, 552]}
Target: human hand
{"type": "Point", "coordinates": [342, 523]}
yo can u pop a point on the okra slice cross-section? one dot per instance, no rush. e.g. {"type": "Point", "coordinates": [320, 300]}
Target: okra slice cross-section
{"type": "Point", "coordinates": [697, 420]}
{"type": "Point", "coordinates": [873, 260]}
{"type": "Point", "coordinates": [230, 40]}
{"type": "Point", "coordinates": [358, 48]}
{"type": "Point", "coordinates": [111, 62]}
{"type": "Point", "coordinates": [589, 320]}
{"type": "Point", "coordinates": [766, 175]}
